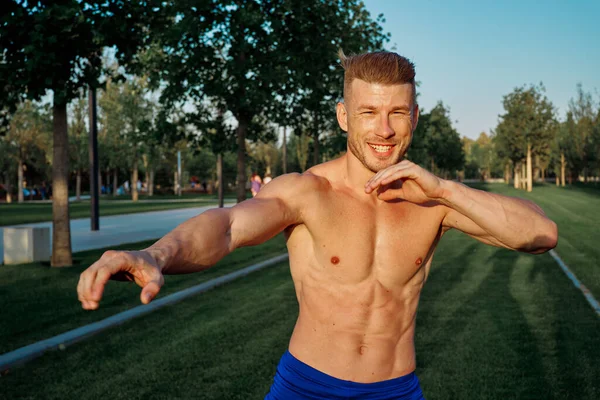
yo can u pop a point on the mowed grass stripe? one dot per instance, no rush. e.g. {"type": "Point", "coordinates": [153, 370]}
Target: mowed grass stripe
{"type": "Point", "coordinates": [496, 324]}
{"type": "Point", "coordinates": [576, 210]}
{"type": "Point", "coordinates": [492, 324]}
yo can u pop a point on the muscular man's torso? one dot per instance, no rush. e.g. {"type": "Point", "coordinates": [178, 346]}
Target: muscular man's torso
{"type": "Point", "coordinates": [358, 266]}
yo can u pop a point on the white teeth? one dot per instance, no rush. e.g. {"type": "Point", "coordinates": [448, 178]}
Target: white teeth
{"type": "Point", "coordinates": [381, 149]}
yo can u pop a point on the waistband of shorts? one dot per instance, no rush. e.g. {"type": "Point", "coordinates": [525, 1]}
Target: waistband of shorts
{"type": "Point", "coordinates": [290, 362]}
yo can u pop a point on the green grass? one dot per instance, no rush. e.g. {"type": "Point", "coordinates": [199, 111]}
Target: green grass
{"type": "Point", "coordinates": [492, 324]}
{"type": "Point", "coordinates": [576, 211]}
{"type": "Point", "coordinates": [43, 300]}
{"type": "Point", "coordinates": [14, 213]}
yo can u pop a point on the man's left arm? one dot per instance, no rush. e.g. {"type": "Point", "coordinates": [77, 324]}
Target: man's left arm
{"type": "Point", "coordinates": [494, 219]}
{"type": "Point", "coordinates": [503, 221]}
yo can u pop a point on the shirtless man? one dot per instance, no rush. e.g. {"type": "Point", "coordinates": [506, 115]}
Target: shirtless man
{"type": "Point", "coordinates": [361, 232]}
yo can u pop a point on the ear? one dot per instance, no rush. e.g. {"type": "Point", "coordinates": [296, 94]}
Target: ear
{"type": "Point", "coordinates": [415, 117]}
{"type": "Point", "coordinates": [342, 116]}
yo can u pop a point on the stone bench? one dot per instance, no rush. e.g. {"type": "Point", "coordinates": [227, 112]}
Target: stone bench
{"type": "Point", "coordinates": [26, 244]}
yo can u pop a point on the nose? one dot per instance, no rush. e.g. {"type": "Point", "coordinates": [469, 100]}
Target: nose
{"type": "Point", "coordinates": [385, 131]}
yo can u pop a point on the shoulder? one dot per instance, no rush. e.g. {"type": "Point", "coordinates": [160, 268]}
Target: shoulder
{"type": "Point", "coordinates": [291, 186]}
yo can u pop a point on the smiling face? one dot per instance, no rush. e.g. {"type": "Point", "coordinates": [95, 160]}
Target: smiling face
{"type": "Point", "coordinates": [380, 120]}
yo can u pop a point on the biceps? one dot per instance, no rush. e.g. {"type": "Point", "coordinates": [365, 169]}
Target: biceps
{"type": "Point", "coordinates": [257, 220]}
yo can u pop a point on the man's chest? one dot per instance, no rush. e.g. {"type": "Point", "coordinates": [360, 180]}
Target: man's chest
{"type": "Point", "coordinates": [350, 241]}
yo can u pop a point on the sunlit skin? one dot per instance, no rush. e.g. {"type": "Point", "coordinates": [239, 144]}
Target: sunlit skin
{"type": "Point", "coordinates": [361, 233]}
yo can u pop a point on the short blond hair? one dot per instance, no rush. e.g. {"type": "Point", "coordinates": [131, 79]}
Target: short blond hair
{"type": "Point", "coordinates": [383, 67]}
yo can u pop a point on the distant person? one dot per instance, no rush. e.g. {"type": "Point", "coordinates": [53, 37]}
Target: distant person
{"type": "Point", "coordinates": [361, 231]}
{"type": "Point", "coordinates": [44, 191]}
{"type": "Point", "coordinates": [267, 179]}
{"type": "Point", "coordinates": [204, 186]}
{"type": "Point", "coordinates": [255, 184]}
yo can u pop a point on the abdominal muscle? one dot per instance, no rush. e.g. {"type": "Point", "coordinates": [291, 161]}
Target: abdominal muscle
{"type": "Point", "coordinates": [360, 331]}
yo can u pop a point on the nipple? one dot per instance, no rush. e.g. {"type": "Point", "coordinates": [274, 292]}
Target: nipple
{"type": "Point", "coordinates": [335, 260]}
{"type": "Point", "coordinates": [419, 261]}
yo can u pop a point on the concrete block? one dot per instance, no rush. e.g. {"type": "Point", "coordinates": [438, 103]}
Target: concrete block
{"type": "Point", "coordinates": [26, 244]}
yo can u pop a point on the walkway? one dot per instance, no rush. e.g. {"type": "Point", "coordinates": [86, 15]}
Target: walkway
{"type": "Point", "coordinates": [121, 229]}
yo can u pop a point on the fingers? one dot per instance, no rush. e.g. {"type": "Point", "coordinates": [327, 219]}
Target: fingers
{"type": "Point", "coordinates": [93, 280]}
{"type": "Point", "coordinates": [390, 174]}
{"type": "Point", "coordinates": [150, 291]}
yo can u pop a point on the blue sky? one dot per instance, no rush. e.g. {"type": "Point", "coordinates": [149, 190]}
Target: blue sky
{"type": "Point", "coordinates": [470, 53]}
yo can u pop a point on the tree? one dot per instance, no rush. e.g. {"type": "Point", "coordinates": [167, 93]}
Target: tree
{"type": "Point", "coordinates": [56, 46]}
{"type": "Point", "coordinates": [581, 120]}
{"type": "Point", "coordinates": [436, 144]}
{"type": "Point", "coordinates": [78, 142]}
{"type": "Point", "coordinates": [29, 135]}
{"type": "Point", "coordinates": [526, 129]}
{"type": "Point", "coordinates": [248, 57]}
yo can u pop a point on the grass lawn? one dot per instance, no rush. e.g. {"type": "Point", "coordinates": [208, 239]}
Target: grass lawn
{"type": "Point", "coordinates": [43, 300]}
{"type": "Point", "coordinates": [14, 213]}
{"type": "Point", "coordinates": [492, 324]}
{"type": "Point", "coordinates": [576, 211]}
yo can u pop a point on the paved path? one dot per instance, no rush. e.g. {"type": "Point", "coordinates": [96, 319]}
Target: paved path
{"type": "Point", "coordinates": [120, 229]}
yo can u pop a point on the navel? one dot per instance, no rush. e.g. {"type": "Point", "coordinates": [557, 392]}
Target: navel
{"type": "Point", "coordinates": [335, 260]}
{"type": "Point", "coordinates": [419, 261]}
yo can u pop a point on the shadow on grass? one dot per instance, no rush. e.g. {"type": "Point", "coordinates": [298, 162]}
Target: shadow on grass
{"type": "Point", "coordinates": [575, 343]}
{"type": "Point", "coordinates": [485, 346]}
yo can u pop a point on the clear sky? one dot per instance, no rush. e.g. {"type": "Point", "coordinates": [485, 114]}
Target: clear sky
{"type": "Point", "coordinates": [470, 53]}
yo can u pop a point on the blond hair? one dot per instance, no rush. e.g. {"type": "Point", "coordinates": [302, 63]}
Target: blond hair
{"type": "Point", "coordinates": [383, 67]}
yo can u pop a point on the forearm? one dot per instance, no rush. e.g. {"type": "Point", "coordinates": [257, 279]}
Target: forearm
{"type": "Point", "coordinates": [196, 244]}
{"type": "Point", "coordinates": [515, 223]}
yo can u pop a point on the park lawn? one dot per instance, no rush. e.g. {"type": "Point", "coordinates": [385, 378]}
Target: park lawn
{"type": "Point", "coordinates": [492, 324]}
{"type": "Point", "coordinates": [39, 302]}
{"type": "Point", "coordinates": [576, 211]}
{"type": "Point", "coordinates": [25, 213]}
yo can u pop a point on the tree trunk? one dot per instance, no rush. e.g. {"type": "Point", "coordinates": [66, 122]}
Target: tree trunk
{"type": "Point", "coordinates": [134, 180]}
{"type": "Point", "coordinates": [543, 172]}
{"type": "Point", "coordinates": [507, 173]}
{"type": "Point", "coordinates": [285, 149]}
{"type": "Point", "coordinates": [220, 179]}
{"type": "Point", "coordinates": [241, 158]}
{"type": "Point", "coordinates": [20, 197]}
{"type": "Point", "coordinates": [524, 175]}
{"type": "Point", "coordinates": [557, 180]}
{"type": "Point", "coordinates": [7, 187]}
{"type": "Point", "coordinates": [562, 169]}
{"type": "Point", "coordinates": [99, 182]}
{"type": "Point", "coordinates": [151, 183]}
{"type": "Point", "coordinates": [61, 229]}
{"type": "Point", "coordinates": [432, 165]}
{"type": "Point", "coordinates": [78, 185]}
{"type": "Point", "coordinates": [146, 175]}
{"type": "Point", "coordinates": [529, 171]}
{"type": "Point", "coordinates": [107, 181]}
{"type": "Point", "coordinates": [516, 182]}
{"type": "Point", "coordinates": [175, 181]}
{"type": "Point", "coordinates": [115, 182]}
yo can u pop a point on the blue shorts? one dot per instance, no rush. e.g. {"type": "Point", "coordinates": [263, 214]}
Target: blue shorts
{"type": "Point", "coordinates": [295, 380]}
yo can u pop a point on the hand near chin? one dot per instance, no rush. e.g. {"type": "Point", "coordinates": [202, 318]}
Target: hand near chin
{"type": "Point", "coordinates": [406, 181]}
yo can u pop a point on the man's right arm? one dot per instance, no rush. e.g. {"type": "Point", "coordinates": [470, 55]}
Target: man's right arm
{"type": "Point", "coordinates": [203, 240]}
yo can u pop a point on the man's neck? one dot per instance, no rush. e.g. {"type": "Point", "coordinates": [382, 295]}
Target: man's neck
{"type": "Point", "coordinates": [357, 174]}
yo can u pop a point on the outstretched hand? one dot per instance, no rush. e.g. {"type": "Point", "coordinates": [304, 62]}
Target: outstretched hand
{"type": "Point", "coordinates": [407, 181]}
{"type": "Point", "coordinates": [137, 266]}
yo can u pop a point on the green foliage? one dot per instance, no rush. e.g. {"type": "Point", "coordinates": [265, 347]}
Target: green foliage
{"type": "Point", "coordinates": [528, 119]}
{"type": "Point", "coordinates": [56, 45]}
{"type": "Point", "coordinates": [78, 136]}
{"type": "Point", "coordinates": [436, 144]}
{"type": "Point", "coordinates": [257, 60]}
